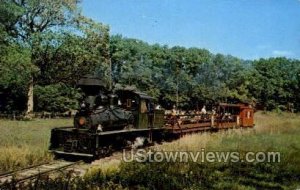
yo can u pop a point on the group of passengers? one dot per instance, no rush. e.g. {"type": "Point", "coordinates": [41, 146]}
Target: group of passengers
{"type": "Point", "coordinates": [202, 114]}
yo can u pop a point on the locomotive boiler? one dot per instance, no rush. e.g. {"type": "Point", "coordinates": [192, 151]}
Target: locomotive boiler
{"type": "Point", "coordinates": [99, 110]}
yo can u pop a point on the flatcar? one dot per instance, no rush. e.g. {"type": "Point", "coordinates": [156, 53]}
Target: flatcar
{"type": "Point", "coordinates": [110, 120]}
{"type": "Point", "coordinates": [225, 116]}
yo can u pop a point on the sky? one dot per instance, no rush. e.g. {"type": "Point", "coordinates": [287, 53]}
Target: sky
{"type": "Point", "coordinates": [248, 29]}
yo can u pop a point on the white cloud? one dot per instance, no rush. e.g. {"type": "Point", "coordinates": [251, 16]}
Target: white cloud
{"type": "Point", "coordinates": [282, 53]}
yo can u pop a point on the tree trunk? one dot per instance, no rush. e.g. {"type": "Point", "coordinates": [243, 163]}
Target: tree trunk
{"type": "Point", "coordinates": [30, 98]}
{"type": "Point", "coordinates": [29, 109]}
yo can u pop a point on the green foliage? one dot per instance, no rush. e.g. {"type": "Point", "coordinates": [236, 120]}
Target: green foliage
{"type": "Point", "coordinates": [55, 98]}
{"type": "Point", "coordinates": [199, 76]}
{"type": "Point", "coordinates": [65, 57]}
{"type": "Point", "coordinates": [15, 71]}
{"type": "Point", "coordinates": [275, 82]}
{"type": "Point", "coordinates": [45, 43]}
{"type": "Point", "coordinates": [51, 42]}
{"type": "Point", "coordinates": [33, 17]}
{"type": "Point", "coordinates": [204, 78]}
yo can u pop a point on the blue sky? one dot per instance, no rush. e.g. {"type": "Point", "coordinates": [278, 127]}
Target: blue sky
{"type": "Point", "coordinates": [248, 29]}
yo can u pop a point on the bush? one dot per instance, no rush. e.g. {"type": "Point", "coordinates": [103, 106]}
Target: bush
{"type": "Point", "coordinates": [55, 98]}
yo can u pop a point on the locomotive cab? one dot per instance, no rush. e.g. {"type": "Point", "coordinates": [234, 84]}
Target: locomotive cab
{"type": "Point", "coordinates": [142, 107]}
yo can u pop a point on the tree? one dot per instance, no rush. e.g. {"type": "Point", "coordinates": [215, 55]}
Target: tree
{"type": "Point", "coordinates": [65, 57]}
{"type": "Point", "coordinates": [14, 62]}
{"type": "Point", "coordinates": [35, 17]}
{"type": "Point", "coordinates": [63, 44]}
{"type": "Point", "coordinates": [15, 71]}
{"type": "Point", "coordinates": [274, 82]}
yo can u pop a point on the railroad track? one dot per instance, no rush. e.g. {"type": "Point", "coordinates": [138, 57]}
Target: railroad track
{"type": "Point", "coordinates": [32, 172]}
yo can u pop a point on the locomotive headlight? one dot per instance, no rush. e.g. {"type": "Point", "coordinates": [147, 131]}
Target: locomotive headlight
{"type": "Point", "coordinates": [82, 121]}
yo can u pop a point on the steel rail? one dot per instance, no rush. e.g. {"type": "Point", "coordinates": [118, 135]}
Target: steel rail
{"type": "Point", "coordinates": [36, 172]}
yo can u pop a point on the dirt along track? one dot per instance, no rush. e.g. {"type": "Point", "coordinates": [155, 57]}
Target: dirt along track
{"type": "Point", "coordinates": [21, 177]}
{"type": "Point", "coordinates": [51, 169]}
{"type": "Point", "coordinates": [33, 172]}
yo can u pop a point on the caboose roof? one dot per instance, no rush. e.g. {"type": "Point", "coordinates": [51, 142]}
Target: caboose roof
{"type": "Point", "coordinates": [240, 105]}
{"type": "Point", "coordinates": [231, 105]}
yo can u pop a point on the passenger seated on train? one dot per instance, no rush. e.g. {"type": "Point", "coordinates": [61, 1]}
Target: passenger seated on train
{"type": "Point", "coordinates": [214, 111]}
{"type": "Point", "coordinates": [224, 115]}
{"type": "Point", "coordinates": [174, 111]}
{"type": "Point", "coordinates": [157, 107]}
{"type": "Point", "coordinates": [203, 110]}
{"type": "Point", "coordinates": [190, 112]}
{"type": "Point", "coordinates": [168, 112]}
{"type": "Point", "coordinates": [227, 116]}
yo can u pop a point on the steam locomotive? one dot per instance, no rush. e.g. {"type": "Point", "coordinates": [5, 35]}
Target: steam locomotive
{"type": "Point", "coordinates": [109, 120]}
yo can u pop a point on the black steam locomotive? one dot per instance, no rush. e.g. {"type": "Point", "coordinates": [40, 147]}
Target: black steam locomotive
{"type": "Point", "coordinates": [106, 121]}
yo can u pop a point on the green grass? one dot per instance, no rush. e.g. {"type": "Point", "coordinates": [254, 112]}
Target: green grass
{"type": "Point", "coordinates": [273, 132]}
{"type": "Point", "coordinates": [24, 143]}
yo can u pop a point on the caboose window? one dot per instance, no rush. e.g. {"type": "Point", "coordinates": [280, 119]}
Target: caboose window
{"type": "Point", "coordinates": [248, 114]}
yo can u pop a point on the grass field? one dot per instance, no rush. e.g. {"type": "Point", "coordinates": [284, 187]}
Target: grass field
{"type": "Point", "coordinates": [273, 132]}
{"type": "Point", "coordinates": [278, 132]}
{"type": "Point", "coordinates": [24, 143]}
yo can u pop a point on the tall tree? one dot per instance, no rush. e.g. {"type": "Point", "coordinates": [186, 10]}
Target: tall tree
{"type": "Point", "coordinates": [34, 18]}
